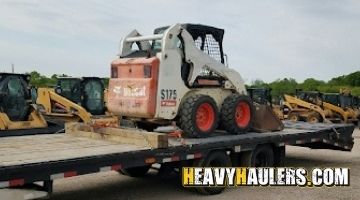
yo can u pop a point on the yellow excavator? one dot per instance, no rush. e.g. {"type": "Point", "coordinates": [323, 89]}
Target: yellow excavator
{"type": "Point", "coordinates": [18, 115]}
{"type": "Point", "coordinates": [76, 99]}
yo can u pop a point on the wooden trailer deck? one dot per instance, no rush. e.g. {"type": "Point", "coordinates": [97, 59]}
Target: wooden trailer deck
{"type": "Point", "coordinates": [47, 148]}
{"type": "Point", "coordinates": [22, 150]}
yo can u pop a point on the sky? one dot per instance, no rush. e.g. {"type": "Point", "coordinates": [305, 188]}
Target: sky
{"type": "Point", "coordinates": [265, 39]}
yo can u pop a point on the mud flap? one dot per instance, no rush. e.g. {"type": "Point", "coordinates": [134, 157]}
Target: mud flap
{"type": "Point", "coordinates": [266, 120]}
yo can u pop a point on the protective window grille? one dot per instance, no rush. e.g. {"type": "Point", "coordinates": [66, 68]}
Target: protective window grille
{"type": "Point", "coordinates": [198, 43]}
{"type": "Point", "coordinates": [211, 47]}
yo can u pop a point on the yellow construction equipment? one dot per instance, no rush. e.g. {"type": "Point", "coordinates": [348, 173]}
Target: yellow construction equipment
{"type": "Point", "coordinates": [313, 106]}
{"type": "Point", "coordinates": [76, 99]}
{"type": "Point", "coordinates": [303, 110]}
{"type": "Point", "coordinates": [284, 109]}
{"type": "Point", "coordinates": [34, 120]}
{"type": "Point", "coordinates": [356, 106]}
{"type": "Point", "coordinates": [18, 116]}
{"type": "Point", "coordinates": [341, 103]}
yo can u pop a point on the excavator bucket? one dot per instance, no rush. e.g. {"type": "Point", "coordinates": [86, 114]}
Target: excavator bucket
{"type": "Point", "coordinates": [266, 120]}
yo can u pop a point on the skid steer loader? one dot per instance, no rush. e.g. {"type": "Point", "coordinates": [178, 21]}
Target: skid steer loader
{"type": "Point", "coordinates": [356, 101]}
{"type": "Point", "coordinates": [356, 105]}
{"type": "Point", "coordinates": [314, 107]}
{"type": "Point", "coordinates": [341, 105]}
{"type": "Point", "coordinates": [179, 74]}
{"type": "Point", "coordinates": [349, 104]}
{"type": "Point", "coordinates": [346, 103]}
{"type": "Point", "coordinates": [18, 116]}
{"type": "Point", "coordinates": [76, 99]}
{"type": "Point", "coordinates": [306, 106]}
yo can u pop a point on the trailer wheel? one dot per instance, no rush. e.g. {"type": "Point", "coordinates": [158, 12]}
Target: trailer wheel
{"type": "Point", "coordinates": [313, 117]}
{"type": "Point", "coordinates": [198, 116]}
{"type": "Point", "coordinates": [135, 171]}
{"type": "Point", "coordinates": [214, 159]}
{"type": "Point", "coordinates": [293, 117]}
{"type": "Point", "coordinates": [279, 156]}
{"type": "Point", "coordinates": [261, 156]}
{"type": "Point", "coordinates": [237, 113]}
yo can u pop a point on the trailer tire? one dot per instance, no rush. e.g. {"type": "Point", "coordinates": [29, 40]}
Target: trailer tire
{"type": "Point", "coordinates": [135, 171]}
{"type": "Point", "coordinates": [237, 113]}
{"type": "Point", "coordinates": [214, 159]}
{"type": "Point", "coordinates": [198, 116]}
{"type": "Point", "coordinates": [261, 156]}
{"type": "Point", "coordinates": [279, 156]}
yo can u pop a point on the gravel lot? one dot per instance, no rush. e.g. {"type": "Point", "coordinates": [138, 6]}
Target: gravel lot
{"type": "Point", "coordinates": [108, 186]}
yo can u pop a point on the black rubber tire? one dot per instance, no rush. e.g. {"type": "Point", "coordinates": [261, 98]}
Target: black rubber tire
{"type": "Point", "coordinates": [135, 171]}
{"type": "Point", "coordinates": [214, 159]}
{"type": "Point", "coordinates": [187, 116]}
{"type": "Point", "coordinates": [313, 117]}
{"type": "Point", "coordinates": [293, 117]}
{"type": "Point", "coordinates": [261, 156]}
{"type": "Point", "coordinates": [147, 126]}
{"type": "Point", "coordinates": [228, 113]}
{"type": "Point", "coordinates": [167, 169]}
{"type": "Point", "coordinates": [279, 156]}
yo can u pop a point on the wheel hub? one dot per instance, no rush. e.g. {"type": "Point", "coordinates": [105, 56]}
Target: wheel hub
{"type": "Point", "coordinates": [205, 117]}
{"type": "Point", "coordinates": [242, 114]}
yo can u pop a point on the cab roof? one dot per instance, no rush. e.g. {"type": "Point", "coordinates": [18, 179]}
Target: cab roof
{"type": "Point", "coordinates": [198, 30]}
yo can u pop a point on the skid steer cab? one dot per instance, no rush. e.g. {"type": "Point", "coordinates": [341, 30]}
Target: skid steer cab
{"type": "Point", "coordinates": [87, 92]}
{"type": "Point", "coordinates": [342, 106]}
{"type": "Point", "coordinates": [76, 99]}
{"type": "Point", "coordinates": [179, 74]}
{"type": "Point", "coordinates": [16, 110]}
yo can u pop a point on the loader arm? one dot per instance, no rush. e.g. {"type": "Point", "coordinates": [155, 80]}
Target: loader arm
{"type": "Point", "coordinates": [287, 104]}
{"type": "Point", "coordinates": [46, 98]}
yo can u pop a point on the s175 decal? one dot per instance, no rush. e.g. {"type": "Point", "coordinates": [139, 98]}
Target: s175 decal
{"type": "Point", "coordinates": [168, 97]}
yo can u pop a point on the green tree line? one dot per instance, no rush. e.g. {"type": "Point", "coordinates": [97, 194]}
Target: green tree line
{"type": "Point", "coordinates": [289, 85]}
{"type": "Point", "coordinates": [39, 80]}
{"type": "Point", "coordinates": [279, 87]}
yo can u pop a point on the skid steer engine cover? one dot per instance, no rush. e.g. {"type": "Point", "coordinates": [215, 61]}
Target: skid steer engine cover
{"type": "Point", "coordinates": [133, 87]}
{"type": "Point", "coordinates": [15, 96]}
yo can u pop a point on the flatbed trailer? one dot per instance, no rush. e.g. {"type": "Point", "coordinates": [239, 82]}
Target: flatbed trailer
{"type": "Point", "coordinates": [44, 158]}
